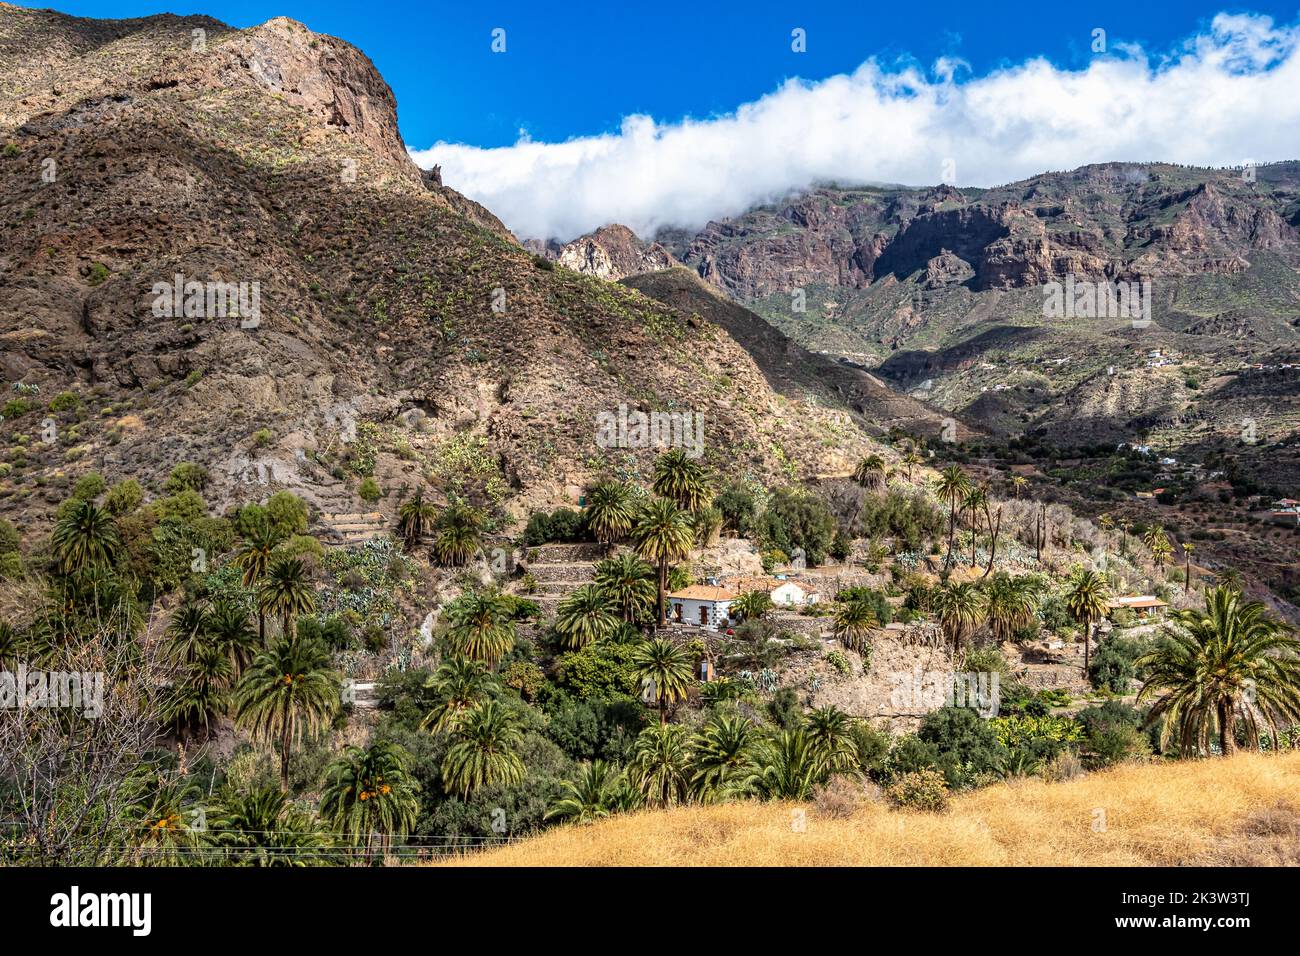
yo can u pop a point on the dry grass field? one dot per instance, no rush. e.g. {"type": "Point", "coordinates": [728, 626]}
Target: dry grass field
{"type": "Point", "coordinates": [1242, 811]}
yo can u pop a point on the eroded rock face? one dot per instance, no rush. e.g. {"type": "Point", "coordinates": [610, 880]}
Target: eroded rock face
{"type": "Point", "coordinates": [613, 252]}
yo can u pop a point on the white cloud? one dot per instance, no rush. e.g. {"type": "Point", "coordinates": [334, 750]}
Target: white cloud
{"type": "Point", "coordinates": [1225, 96]}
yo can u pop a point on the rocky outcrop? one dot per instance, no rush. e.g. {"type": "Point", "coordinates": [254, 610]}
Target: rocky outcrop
{"type": "Point", "coordinates": [612, 252]}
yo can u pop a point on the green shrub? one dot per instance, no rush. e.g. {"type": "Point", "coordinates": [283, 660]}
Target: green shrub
{"type": "Point", "coordinates": [10, 541]}
{"type": "Point", "coordinates": [124, 497]}
{"type": "Point", "coordinates": [15, 408]}
{"type": "Point", "coordinates": [65, 402]}
{"type": "Point", "coordinates": [525, 677]}
{"type": "Point", "coordinates": [98, 273]}
{"type": "Point", "coordinates": [599, 671]}
{"type": "Point", "coordinates": [797, 518]}
{"type": "Point", "coordinates": [966, 746]}
{"type": "Point", "coordinates": [369, 490]}
{"type": "Point", "coordinates": [187, 476]}
{"type": "Point", "coordinates": [262, 438]}
{"type": "Point", "coordinates": [302, 544]}
{"type": "Point", "coordinates": [838, 661]}
{"type": "Point", "coordinates": [89, 486]}
{"type": "Point", "coordinates": [1112, 664]}
{"type": "Point", "coordinates": [785, 710]}
{"type": "Point", "coordinates": [193, 378]}
{"type": "Point", "coordinates": [919, 790]}
{"type": "Point", "coordinates": [332, 631]}
{"type": "Point", "coordinates": [287, 513]}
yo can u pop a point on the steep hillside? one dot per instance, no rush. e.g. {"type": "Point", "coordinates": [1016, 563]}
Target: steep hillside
{"type": "Point", "coordinates": [790, 368]}
{"type": "Point", "coordinates": [396, 327]}
{"type": "Point", "coordinates": [1236, 812]}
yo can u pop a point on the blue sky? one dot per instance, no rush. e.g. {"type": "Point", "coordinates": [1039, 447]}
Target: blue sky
{"type": "Point", "coordinates": [578, 69]}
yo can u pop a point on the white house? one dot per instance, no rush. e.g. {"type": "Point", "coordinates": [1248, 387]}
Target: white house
{"type": "Point", "coordinates": [704, 605]}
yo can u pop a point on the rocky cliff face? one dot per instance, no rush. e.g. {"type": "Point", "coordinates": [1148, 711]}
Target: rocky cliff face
{"type": "Point", "coordinates": [613, 252]}
{"type": "Point", "coordinates": [223, 254]}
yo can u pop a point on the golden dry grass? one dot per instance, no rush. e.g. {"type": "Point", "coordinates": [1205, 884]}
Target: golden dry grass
{"type": "Point", "coordinates": [1167, 814]}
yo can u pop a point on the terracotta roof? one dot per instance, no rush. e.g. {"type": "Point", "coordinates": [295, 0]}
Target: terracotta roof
{"type": "Point", "coordinates": [705, 592]}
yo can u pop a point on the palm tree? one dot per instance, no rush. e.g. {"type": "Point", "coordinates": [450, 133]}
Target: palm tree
{"type": "Point", "coordinates": [456, 535]}
{"type": "Point", "coordinates": [286, 592]}
{"type": "Point", "coordinates": [1011, 603]}
{"type": "Point", "coordinates": [482, 626]}
{"type": "Point", "coordinates": [14, 647]}
{"type": "Point", "coordinates": [189, 632]}
{"type": "Point", "coordinates": [157, 814]}
{"type": "Point", "coordinates": [1086, 599]}
{"type": "Point", "coordinates": [910, 461]}
{"type": "Point", "coordinates": [590, 797]}
{"type": "Point", "coordinates": [459, 685]}
{"type": "Point", "coordinates": [659, 766]}
{"type": "Point", "coordinates": [369, 792]}
{"type": "Point", "coordinates": [84, 537]}
{"type": "Point", "coordinates": [960, 609]}
{"type": "Point", "coordinates": [707, 524]}
{"type": "Point", "coordinates": [720, 756]}
{"type": "Point", "coordinates": [662, 535]}
{"type": "Point", "coordinates": [630, 583]}
{"type": "Point", "coordinates": [854, 622]}
{"type": "Point", "coordinates": [583, 616]}
{"type": "Point", "coordinates": [610, 512]}
{"type": "Point", "coordinates": [1161, 552]}
{"type": "Point", "coordinates": [951, 487]}
{"type": "Point", "coordinates": [201, 692]}
{"type": "Point", "coordinates": [1188, 548]}
{"type": "Point", "coordinates": [1152, 534]}
{"type": "Point", "coordinates": [829, 730]}
{"type": "Point", "coordinates": [788, 765]}
{"type": "Point", "coordinates": [228, 624]}
{"type": "Point", "coordinates": [870, 473]}
{"type": "Point", "coordinates": [254, 557]}
{"type": "Point", "coordinates": [1230, 662]}
{"type": "Point", "coordinates": [484, 751]}
{"type": "Point", "coordinates": [669, 669]}
{"type": "Point", "coordinates": [1018, 483]}
{"type": "Point", "coordinates": [288, 690]}
{"type": "Point", "coordinates": [261, 828]}
{"type": "Point", "coordinates": [680, 479]}
{"type": "Point", "coordinates": [752, 605]}
{"type": "Point", "coordinates": [975, 499]}
{"type": "Point", "coordinates": [414, 518]}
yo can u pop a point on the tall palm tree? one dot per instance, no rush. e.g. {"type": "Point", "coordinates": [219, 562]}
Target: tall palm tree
{"type": "Point", "coordinates": [456, 535]}
{"type": "Point", "coordinates": [951, 487]}
{"type": "Point", "coordinates": [414, 518]}
{"type": "Point", "coordinates": [1161, 552]}
{"type": "Point", "coordinates": [668, 666]}
{"type": "Point", "coordinates": [662, 535]}
{"type": "Point", "coordinates": [459, 685]}
{"type": "Point", "coordinates": [484, 752]}
{"type": "Point", "coordinates": [680, 479]}
{"type": "Point", "coordinates": [1188, 548]}
{"type": "Point", "coordinates": [610, 512]}
{"type": "Point", "coordinates": [1086, 597]}
{"type": "Point", "coordinates": [590, 797]}
{"type": "Point", "coordinates": [1231, 662]}
{"type": "Point", "coordinates": [584, 616]}
{"type": "Point", "coordinates": [262, 828]}
{"type": "Point", "coordinates": [482, 626]}
{"type": "Point", "coordinates": [854, 622]}
{"type": "Point", "coordinates": [960, 608]}
{"type": "Point", "coordinates": [870, 473]}
{"type": "Point", "coordinates": [371, 792]}
{"type": "Point", "coordinates": [287, 592]}
{"type": "Point", "coordinates": [659, 766]}
{"type": "Point", "coordinates": [254, 558]}
{"type": "Point", "coordinates": [1152, 534]}
{"type": "Point", "coordinates": [720, 757]}
{"type": "Point", "coordinates": [1018, 483]}
{"type": "Point", "coordinates": [289, 689]}
{"type": "Point", "coordinates": [1011, 603]}
{"type": "Point", "coordinates": [84, 537]}
{"type": "Point", "coordinates": [630, 583]}
{"type": "Point", "coordinates": [787, 766]}
{"type": "Point", "coordinates": [975, 499]}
